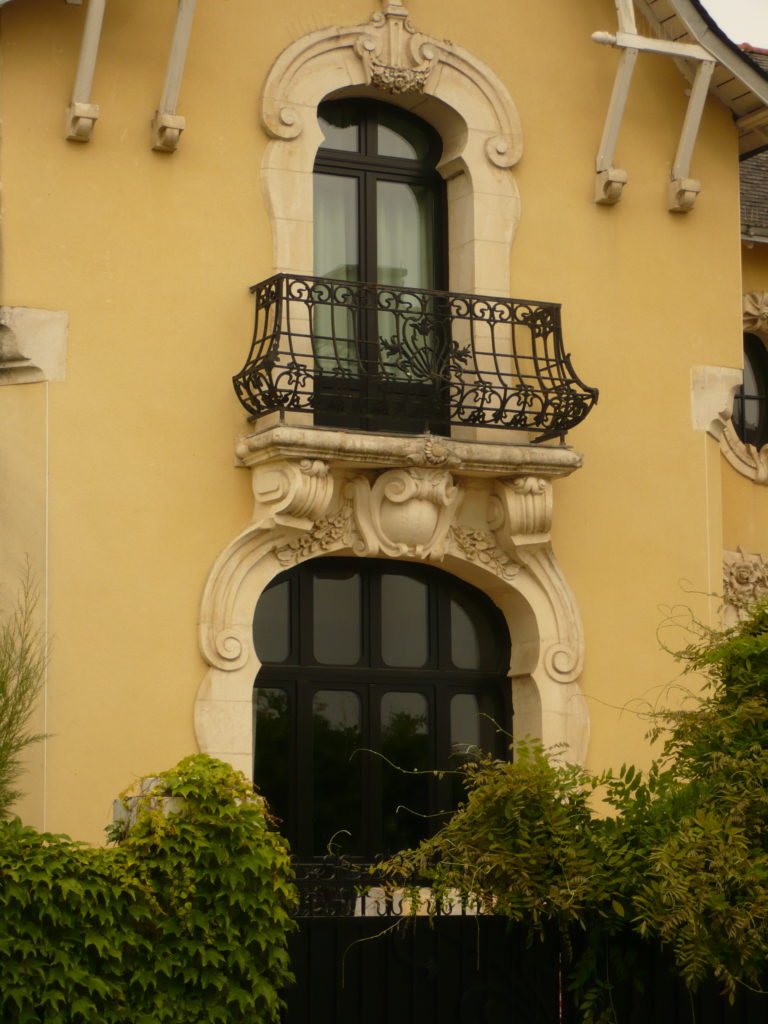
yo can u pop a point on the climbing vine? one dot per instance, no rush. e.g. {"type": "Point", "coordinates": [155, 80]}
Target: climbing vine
{"type": "Point", "coordinates": [184, 919]}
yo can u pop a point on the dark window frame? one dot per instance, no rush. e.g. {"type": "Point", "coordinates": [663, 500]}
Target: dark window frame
{"type": "Point", "coordinates": [756, 355]}
{"type": "Point", "coordinates": [344, 403]}
{"type": "Point", "coordinates": [300, 676]}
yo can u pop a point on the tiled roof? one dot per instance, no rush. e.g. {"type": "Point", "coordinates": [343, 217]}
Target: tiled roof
{"type": "Point", "coordinates": [753, 172]}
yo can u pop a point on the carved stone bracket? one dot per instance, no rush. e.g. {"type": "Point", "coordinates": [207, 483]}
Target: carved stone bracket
{"type": "Point", "coordinates": [289, 493]}
{"type": "Point", "coordinates": [745, 580]}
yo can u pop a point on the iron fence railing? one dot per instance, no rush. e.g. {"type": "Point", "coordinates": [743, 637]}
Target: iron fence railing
{"type": "Point", "coordinates": [372, 356]}
{"type": "Point", "coordinates": [332, 888]}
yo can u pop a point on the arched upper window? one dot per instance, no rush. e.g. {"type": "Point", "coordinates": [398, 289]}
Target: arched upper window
{"type": "Point", "coordinates": [376, 674]}
{"type": "Point", "coordinates": [750, 405]}
{"type": "Point", "coordinates": [380, 218]}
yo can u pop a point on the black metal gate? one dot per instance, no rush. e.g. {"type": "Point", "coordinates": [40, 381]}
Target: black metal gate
{"type": "Point", "coordinates": [363, 959]}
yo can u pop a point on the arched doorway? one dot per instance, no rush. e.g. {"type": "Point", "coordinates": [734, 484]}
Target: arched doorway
{"type": "Point", "coordinates": [376, 676]}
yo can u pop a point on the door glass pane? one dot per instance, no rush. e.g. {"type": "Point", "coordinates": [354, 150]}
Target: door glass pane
{"type": "Point", "coordinates": [336, 621]}
{"type": "Point", "coordinates": [336, 256]}
{"type": "Point", "coordinates": [409, 334]}
{"type": "Point", "coordinates": [404, 621]}
{"type": "Point", "coordinates": [272, 753]}
{"type": "Point", "coordinates": [272, 624]}
{"type": "Point", "coordinates": [472, 641]}
{"type": "Point", "coordinates": [404, 219]}
{"type": "Point", "coordinates": [465, 724]}
{"type": "Point", "coordinates": [336, 771]}
{"type": "Point", "coordinates": [405, 746]}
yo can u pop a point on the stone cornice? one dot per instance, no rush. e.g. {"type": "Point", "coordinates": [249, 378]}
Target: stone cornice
{"type": "Point", "coordinates": [362, 450]}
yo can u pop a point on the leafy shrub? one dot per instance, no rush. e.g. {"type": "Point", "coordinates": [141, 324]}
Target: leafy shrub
{"type": "Point", "coordinates": [22, 666]}
{"type": "Point", "coordinates": [184, 920]}
{"type": "Point", "coordinates": [676, 857]}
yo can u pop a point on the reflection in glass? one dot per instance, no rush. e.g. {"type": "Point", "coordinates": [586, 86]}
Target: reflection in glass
{"type": "Point", "coordinates": [336, 618]}
{"type": "Point", "coordinates": [339, 127]}
{"type": "Point", "coordinates": [465, 724]}
{"type": "Point", "coordinates": [401, 136]}
{"type": "Point", "coordinates": [472, 642]}
{"type": "Point", "coordinates": [272, 765]}
{"type": "Point", "coordinates": [272, 624]}
{"type": "Point", "coordinates": [336, 768]}
{"type": "Point", "coordinates": [405, 746]}
{"type": "Point", "coordinates": [404, 233]}
{"type": "Point", "coordinates": [404, 621]}
{"type": "Point", "coordinates": [336, 256]}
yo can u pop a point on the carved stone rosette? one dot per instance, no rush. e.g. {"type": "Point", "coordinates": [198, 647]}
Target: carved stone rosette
{"type": "Point", "coordinates": [745, 580]}
{"type": "Point", "coordinates": [481, 510]}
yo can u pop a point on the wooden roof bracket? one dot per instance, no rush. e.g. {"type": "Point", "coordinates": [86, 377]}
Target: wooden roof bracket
{"type": "Point", "coordinates": [167, 125]}
{"type": "Point", "coordinates": [610, 181]}
{"type": "Point", "coordinates": [81, 113]}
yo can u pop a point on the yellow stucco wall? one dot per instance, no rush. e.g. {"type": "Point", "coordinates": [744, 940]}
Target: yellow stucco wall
{"type": "Point", "coordinates": [152, 254]}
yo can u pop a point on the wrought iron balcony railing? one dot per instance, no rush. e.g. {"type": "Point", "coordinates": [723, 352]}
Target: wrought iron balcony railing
{"type": "Point", "coordinates": [382, 357]}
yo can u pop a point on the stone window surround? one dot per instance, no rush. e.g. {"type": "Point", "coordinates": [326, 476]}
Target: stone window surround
{"type": "Point", "coordinates": [713, 391]}
{"type": "Point", "coordinates": [455, 93]}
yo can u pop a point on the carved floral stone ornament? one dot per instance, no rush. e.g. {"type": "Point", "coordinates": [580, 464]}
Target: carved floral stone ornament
{"type": "Point", "coordinates": [755, 314]}
{"type": "Point", "coordinates": [745, 580]}
{"type": "Point", "coordinates": [396, 59]}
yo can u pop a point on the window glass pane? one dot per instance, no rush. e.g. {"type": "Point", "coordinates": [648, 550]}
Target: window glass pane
{"type": "Point", "coordinates": [272, 753]}
{"type": "Point", "coordinates": [405, 745]}
{"type": "Point", "coordinates": [336, 739]}
{"type": "Point", "coordinates": [400, 136]}
{"type": "Point", "coordinates": [404, 621]}
{"type": "Point", "coordinates": [336, 617]}
{"type": "Point", "coordinates": [272, 624]}
{"type": "Point", "coordinates": [473, 644]}
{"type": "Point", "coordinates": [339, 126]}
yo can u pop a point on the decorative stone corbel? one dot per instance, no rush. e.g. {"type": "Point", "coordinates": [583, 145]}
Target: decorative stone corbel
{"type": "Point", "coordinates": [293, 494]}
{"type": "Point", "coordinates": [520, 515]}
{"type": "Point", "coordinates": [521, 508]}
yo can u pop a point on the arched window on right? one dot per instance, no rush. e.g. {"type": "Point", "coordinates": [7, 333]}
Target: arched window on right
{"type": "Point", "coordinates": [750, 404]}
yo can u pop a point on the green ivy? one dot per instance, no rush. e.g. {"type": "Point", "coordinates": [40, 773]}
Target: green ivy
{"type": "Point", "coordinates": [673, 858]}
{"type": "Point", "coordinates": [185, 919]}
